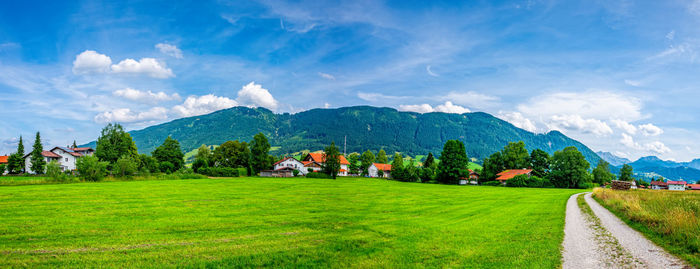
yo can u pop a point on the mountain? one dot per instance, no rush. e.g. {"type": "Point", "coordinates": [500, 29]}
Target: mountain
{"type": "Point", "coordinates": [653, 161]}
{"type": "Point", "coordinates": [613, 159]}
{"type": "Point", "coordinates": [651, 166]}
{"type": "Point", "coordinates": [365, 128]}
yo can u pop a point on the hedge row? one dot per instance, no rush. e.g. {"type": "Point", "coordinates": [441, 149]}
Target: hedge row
{"type": "Point", "coordinates": [219, 171]}
{"type": "Point", "coordinates": [317, 175]}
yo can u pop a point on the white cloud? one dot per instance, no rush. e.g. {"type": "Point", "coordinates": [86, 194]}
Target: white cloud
{"type": "Point", "coordinates": [517, 119]}
{"type": "Point", "coordinates": [590, 105]}
{"type": "Point", "coordinates": [146, 66]}
{"type": "Point", "coordinates": [650, 129]}
{"type": "Point", "coordinates": [168, 49]}
{"type": "Point", "coordinates": [423, 108]}
{"type": "Point", "coordinates": [657, 147]}
{"type": "Point", "coordinates": [90, 61]}
{"type": "Point", "coordinates": [671, 35]}
{"type": "Point", "coordinates": [577, 123]}
{"type": "Point", "coordinates": [430, 72]}
{"type": "Point", "coordinates": [255, 95]}
{"type": "Point", "coordinates": [194, 106]}
{"type": "Point", "coordinates": [326, 76]}
{"type": "Point", "coordinates": [326, 105]}
{"type": "Point", "coordinates": [626, 126]}
{"type": "Point", "coordinates": [628, 141]}
{"type": "Point", "coordinates": [145, 96]}
{"type": "Point", "coordinates": [126, 115]}
{"type": "Point", "coordinates": [634, 83]}
{"type": "Point", "coordinates": [470, 99]}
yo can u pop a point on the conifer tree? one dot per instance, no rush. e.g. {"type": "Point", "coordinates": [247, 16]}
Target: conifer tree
{"type": "Point", "coordinates": [37, 160]}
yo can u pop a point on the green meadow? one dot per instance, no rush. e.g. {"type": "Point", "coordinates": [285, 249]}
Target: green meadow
{"type": "Point", "coordinates": [265, 222]}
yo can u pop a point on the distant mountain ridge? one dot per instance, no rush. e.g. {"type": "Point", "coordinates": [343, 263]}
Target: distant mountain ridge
{"type": "Point", "coordinates": [652, 167]}
{"type": "Point", "coordinates": [613, 159]}
{"type": "Point", "coordinates": [365, 127]}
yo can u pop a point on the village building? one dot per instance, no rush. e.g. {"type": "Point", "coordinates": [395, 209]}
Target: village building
{"type": "Point", "coordinates": [319, 159]}
{"type": "Point", "coordinates": [676, 185]}
{"type": "Point", "coordinates": [659, 185]}
{"type": "Point", "coordinates": [373, 170]}
{"type": "Point", "coordinates": [3, 161]}
{"type": "Point", "coordinates": [290, 163]}
{"type": "Point", "coordinates": [693, 187]}
{"type": "Point", "coordinates": [473, 178]}
{"type": "Point", "coordinates": [283, 172]}
{"type": "Point", "coordinates": [511, 173]}
{"type": "Point", "coordinates": [66, 157]}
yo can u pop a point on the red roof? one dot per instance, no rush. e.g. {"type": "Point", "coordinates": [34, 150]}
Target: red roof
{"type": "Point", "coordinates": [81, 149]}
{"type": "Point", "coordinates": [3, 159]}
{"type": "Point", "coordinates": [676, 182]}
{"type": "Point", "coordinates": [508, 174]}
{"type": "Point", "coordinates": [342, 170]}
{"type": "Point", "coordinates": [659, 183]}
{"type": "Point", "coordinates": [318, 157]}
{"type": "Point", "coordinates": [383, 166]}
{"type": "Point", "coordinates": [694, 186]}
{"type": "Point", "coordinates": [287, 158]}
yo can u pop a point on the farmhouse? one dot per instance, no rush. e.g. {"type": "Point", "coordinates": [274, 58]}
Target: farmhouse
{"type": "Point", "coordinates": [3, 161]}
{"type": "Point", "coordinates": [511, 173]}
{"type": "Point", "coordinates": [319, 159]}
{"type": "Point", "coordinates": [676, 185]}
{"type": "Point", "coordinates": [659, 185]}
{"type": "Point", "coordinates": [66, 157]}
{"type": "Point", "coordinates": [373, 170]}
{"type": "Point", "coordinates": [292, 164]}
{"type": "Point", "coordinates": [693, 187]}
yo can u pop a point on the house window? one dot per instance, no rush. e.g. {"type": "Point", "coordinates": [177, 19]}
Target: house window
{"type": "Point", "coordinates": [66, 159]}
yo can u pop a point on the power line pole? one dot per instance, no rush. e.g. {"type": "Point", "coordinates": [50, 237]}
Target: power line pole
{"type": "Point", "coordinates": [345, 145]}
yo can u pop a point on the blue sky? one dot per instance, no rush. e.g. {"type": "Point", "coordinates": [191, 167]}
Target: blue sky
{"type": "Point", "coordinates": [620, 76]}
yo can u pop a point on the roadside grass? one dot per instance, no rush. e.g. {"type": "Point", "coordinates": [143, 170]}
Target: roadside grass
{"type": "Point", "coordinates": [273, 222]}
{"type": "Point", "coordinates": [668, 218]}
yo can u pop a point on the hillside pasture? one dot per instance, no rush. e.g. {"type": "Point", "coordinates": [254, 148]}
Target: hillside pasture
{"type": "Point", "coordinates": [265, 222]}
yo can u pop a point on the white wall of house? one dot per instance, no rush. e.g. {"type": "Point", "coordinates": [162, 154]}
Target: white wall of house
{"type": "Point", "coordinates": [294, 164]}
{"type": "Point", "coordinates": [28, 163]}
{"type": "Point", "coordinates": [373, 171]}
{"type": "Point", "coordinates": [66, 161]}
{"type": "Point", "coordinates": [676, 187]}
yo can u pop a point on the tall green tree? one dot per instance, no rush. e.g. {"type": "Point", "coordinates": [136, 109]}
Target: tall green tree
{"type": "Point", "coordinates": [354, 160]}
{"type": "Point", "coordinates": [203, 158]}
{"type": "Point", "coordinates": [539, 162]}
{"type": "Point", "coordinates": [381, 157]}
{"type": "Point", "coordinates": [397, 170]}
{"type": "Point", "coordinates": [569, 169]}
{"type": "Point", "coordinates": [366, 160]}
{"type": "Point", "coordinates": [259, 149]}
{"type": "Point", "coordinates": [20, 146]}
{"type": "Point", "coordinates": [601, 173]}
{"type": "Point", "coordinates": [232, 154]}
{"type": "Point", "coordinates": [429, 161]}
{"type": "Point", "coordinates": [16, 162]}
{"type": "Point", "coordinates": [148, 164]}
{"type": "Point", "coordinates": [492, 166]}
{"type": "Point", "coordinates": [114, 143]}
{"type": "Point", "coordinates": [453, 162]}
{"type": "Point", "coordinates": [171, 152]}
{"type": "Point", "coordinates": [331, 154]}
{"type": "Point", "coordinates": [74, 145]}
{"type": "Point", "coordinates": [626, 173]}
{"type": "Point", "coordinates": [515, 156]}
{"type": "Point", "coordinates": [37, 160]}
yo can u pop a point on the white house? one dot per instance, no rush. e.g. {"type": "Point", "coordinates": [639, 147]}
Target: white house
{"type": "Point", "coordinates": [373, 170]}
{"type": "Point", "coordinates": [659, 185]}
{"type": "Point", "coordinates": [291, 163]}
{"type": "Point", "coordinates": [66, 157]}
{"type": "Point", "coordinates": [676, 185]}
{"type": "Point", "coordinates": [319, 159]}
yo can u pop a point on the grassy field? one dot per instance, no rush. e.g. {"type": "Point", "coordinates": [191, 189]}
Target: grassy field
{"type": "Point", "coordinates": [669, 218]}
{"type": "Point", "coordinates": [254, 222]}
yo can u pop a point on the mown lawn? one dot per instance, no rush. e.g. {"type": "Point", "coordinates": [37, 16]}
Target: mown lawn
{"type": "Point", "coordinates": [255, 222]}
{"type": "Point", "coordinates": [671, 219]}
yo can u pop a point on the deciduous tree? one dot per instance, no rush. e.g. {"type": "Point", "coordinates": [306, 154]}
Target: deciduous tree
{"type": "Point", "coordinates": [601, 173]}
{"type": "Point", "coordinates": [515, 156]}
{"type": "Point", "coordinates": [366, 160]}
{"type": "Point", "coordinates": [381, 157]}
{"type": "Point", "coordinates": [259, 149]}
{"type": "Point", "coordinates": [569, 169]}
{"type": "Point", "coordinates": [626, 173]}
{"type": "Point", "coordinates": [232, 154]}
{"type": "Point", "coordinates": [114, 143]}
{"type": "Point", "coordinates": [539, 162]}
{"type": "Point", "coordinates": [397, 167]}
{"type": "Point", "coordinates": [331, 155]}
{"type": "Point", "coordinates": [453, 162]}
{"type": "Point", "coordinates": [170, 152]}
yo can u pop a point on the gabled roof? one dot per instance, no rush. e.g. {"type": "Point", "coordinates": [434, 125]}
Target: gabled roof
{"type": "Point", "coordinates": [3, 159]}
{"type": "Point", "coordinates": [659, 183]}
{"type": "Point", "coordinates": [44, 153]}
{"type": "Point", "coordinates": [287, 158]}
{"type": "Point", "coordinates": [69, 151]}
{"type": "Point", "coordinates": [318, 157]}
{"type": "Point", "coordinates": [382, 166]}
{"type": "Point", "coordinates": [83, 149]}
{"type": "Point", "coordinates": [508, 174]}
{"type": "Point", "coordinates": [676, 182]}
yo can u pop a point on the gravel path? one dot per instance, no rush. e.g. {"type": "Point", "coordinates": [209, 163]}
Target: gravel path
{"type": "Point", "coordinates": [595, 238]}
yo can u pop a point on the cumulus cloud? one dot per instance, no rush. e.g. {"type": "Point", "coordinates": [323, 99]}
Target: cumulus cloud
{"type": "Point", "coordinates": [578, 123]}
{"type": "Point", "coordinates": [518, 120]}
{"type": "Point", "coordinates": [90, 61]}
{"type": "Point", "coordinates": [447, 107]}
{"type": "Point", "coordinates": [326, 76]}
{"type": "Point", "coordinates": [628, 141]}
{"type": "Point", "coordinates": [625, 126]}
{"type": "Point", "coordinates": [194, 106]}
{"type": "Point", "coordinates": [146, 66]}
{"type": "Point", "coordinates": [590, 105]}
{"type": "Point", "coordinates": [170, 50]}
{"type": "Point", "coordinates": [255, 95]}
{"type": "Point", "coordinates": [127, 115]}
{"type": "Point", "coordinates": [145, 96]}
{"type": "Point", "coordinates": [656, 147]}
{"type": "Point", "coordinates": [650, 129]}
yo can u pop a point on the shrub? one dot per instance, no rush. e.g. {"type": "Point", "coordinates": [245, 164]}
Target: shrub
{"type": "Point", "coordinates": [125, 167]}
{"type": "Point", "coordinates": [166, 167]}
{"type": "Point", "coordinates": [310, 170]}
{"type": "Point", "coordinates": [91, 169]}
{"type": "Point", "coordinates": [242, 172]}
{"type": "Point", "coordinates": [491, 183]}
{"type": "Point", "coordinates": [187, 173]}
{"type": "Point", "coordinates": [199, 163]}
{"type": "Point", "coordinates": [53, 171]}
{"type": "Point", "coordinates": [295, 172]}
{"type": "Point", "coordinates": [317, 175]}
{"type": "Point", "coordinates": [220, 171]}
{"type": "Point", "coordinates": [517, 181]}
{"type": "Point", "coordinates": [2, 169]}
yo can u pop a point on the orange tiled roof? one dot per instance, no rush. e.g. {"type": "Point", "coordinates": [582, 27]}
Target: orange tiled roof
{"type": "Point", "coordinates": [3, 159]}
{"type": "Point", "coordinates": [383, 166]}
{"type": "Point", "coordinates": [318, 157]}
{"type": "Point", "coordinates": [508, 174]}
{"type": "Point", "coordinates": [694, 186]}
